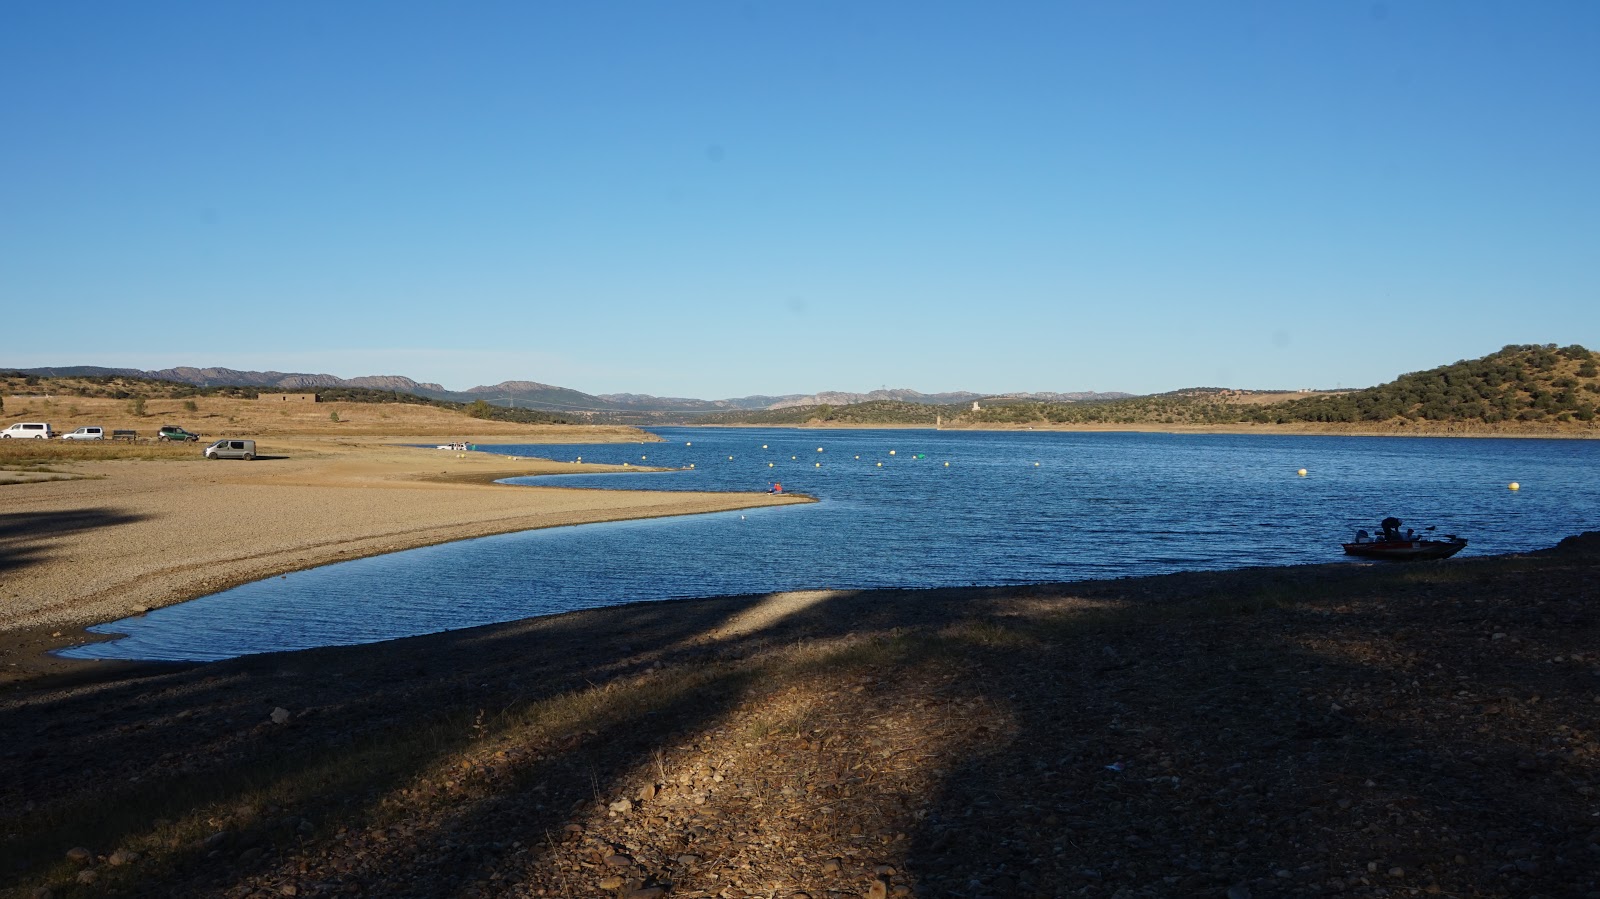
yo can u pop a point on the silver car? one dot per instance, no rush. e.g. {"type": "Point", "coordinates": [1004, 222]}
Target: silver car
{"type": "Point", "coordinates": [232, 449]}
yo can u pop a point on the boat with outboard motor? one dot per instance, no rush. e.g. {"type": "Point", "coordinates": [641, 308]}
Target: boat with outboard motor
{"type": "Point", "coordinates": [1393, 543]}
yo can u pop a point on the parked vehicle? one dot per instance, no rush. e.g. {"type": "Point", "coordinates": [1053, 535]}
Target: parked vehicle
{"type": "Point", "coordinates": [37, 430]}
{"type": "Point", "coordinates": [232, 449]}
{"type": "Point", "coordinates": [89, 433]}
{"type": "Point", "coordinates": [173, 432]}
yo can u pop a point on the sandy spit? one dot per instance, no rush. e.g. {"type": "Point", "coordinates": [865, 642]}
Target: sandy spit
{"type": "Point", "coordinates": [128, 536]}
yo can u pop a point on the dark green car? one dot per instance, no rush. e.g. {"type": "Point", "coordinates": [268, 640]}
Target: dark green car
{"type": "Point", "coordinates": [173, 432]}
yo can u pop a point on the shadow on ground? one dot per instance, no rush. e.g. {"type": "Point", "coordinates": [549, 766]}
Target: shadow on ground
{"type": "Point", "coordinates": [1333, 730]}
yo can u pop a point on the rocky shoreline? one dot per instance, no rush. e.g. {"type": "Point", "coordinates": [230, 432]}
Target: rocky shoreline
{"type": "Point", "coordinates": [1336, 730]}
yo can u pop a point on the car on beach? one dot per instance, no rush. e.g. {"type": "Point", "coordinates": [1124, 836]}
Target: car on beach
{"type": "Point", "coordinates": [229, 448]}
{"type": "Point", "coordinates": [173, 432]}
{"type": "Point", "coordinates": [88, 433]}
{"type": "Point", "coordinates": [37, 430]}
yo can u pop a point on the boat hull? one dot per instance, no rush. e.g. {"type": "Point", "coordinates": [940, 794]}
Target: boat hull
{"type": "Point", "coordinates": [1405, 550]}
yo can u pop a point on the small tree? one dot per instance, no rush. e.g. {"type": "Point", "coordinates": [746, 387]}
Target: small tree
{"type": "Point", "coordinates": [189, 406]}
{"type": "Point", "coordinates": [333, 416]}
{"type": "Point", "coordinates": [136, 406]}
{"type": "Point", "coordinates": [479, 409]}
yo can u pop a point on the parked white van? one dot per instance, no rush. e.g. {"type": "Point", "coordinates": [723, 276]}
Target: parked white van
{"type": "Point", "coordinates": [88, 433]}
{"type": "Point", "coordinates": [232, 449]}
{"type": "Point", "coordinates": [38, 430]}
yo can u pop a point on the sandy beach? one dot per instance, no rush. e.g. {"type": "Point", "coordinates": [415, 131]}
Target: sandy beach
{"type": "Point", "coordinates": [122, 537]}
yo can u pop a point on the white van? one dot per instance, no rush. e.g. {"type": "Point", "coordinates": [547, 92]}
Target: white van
{"type": "Point", "coordinates": [88, 433]}
{"type": "Point", "coordinates": [232, 449]}
{"type": "Point", "coordinates": [38, 430]}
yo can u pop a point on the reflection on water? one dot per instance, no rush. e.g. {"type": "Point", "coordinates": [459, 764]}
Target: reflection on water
{"type": "Point", "coordinates": [912, 509]}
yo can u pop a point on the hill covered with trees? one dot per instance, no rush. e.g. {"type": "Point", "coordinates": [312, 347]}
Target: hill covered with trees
{"type": "Point", "coordinates": [1520, 389]}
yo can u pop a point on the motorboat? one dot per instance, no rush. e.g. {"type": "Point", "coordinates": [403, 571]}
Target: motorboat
{"type": "Point", "coordinates": [1403, 545]}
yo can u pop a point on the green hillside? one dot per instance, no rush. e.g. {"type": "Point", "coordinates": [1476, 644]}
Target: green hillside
{"type": "Point", "coordinates": [1529, 389]}
{"type": "Point", "coordinates": [1530, 383]}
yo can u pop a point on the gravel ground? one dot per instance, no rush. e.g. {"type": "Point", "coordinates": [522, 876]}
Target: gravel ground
{"type": "Point", "coordinates": [1338, 730]}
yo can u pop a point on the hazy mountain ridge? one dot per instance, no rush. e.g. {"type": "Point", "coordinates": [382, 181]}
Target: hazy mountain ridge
{"type": "Point", "coordinates": [537, 395]}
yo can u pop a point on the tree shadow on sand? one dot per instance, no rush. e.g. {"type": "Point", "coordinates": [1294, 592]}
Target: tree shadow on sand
{"type": "Point", "coordinates": [1334, 730]}
{"type": "Point", "coordinates": [26, 537]}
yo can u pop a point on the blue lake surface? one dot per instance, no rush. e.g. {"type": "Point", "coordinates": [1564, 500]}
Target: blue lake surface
{"type": "Point", "coordinates": [909, 508]}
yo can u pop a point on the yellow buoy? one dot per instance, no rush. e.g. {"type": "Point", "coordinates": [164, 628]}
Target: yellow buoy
{"type": "Point", "coordinates": [1513, 486]}
{"type": "Point", "coordinates": [688, 443]}
{"type": "Point", "coordinates": [642, 458]}
{"type": "Point", "coordinates": [1302, 472]}
{"type": "Point", "coordinates": [947, 465]}
{"type": "Point", "coordinates": [794, 457]}
{"type": "Point", "coordinates": [1035, 465]}
{"type": "Point", "coordinates": [858, 457]}
{"type": "Point", "coordinates": [819, 449]}
{"type": "Point", "coordinates": [891, 452]}
{"type": "Point", "coordinates": [730, 458]}
{"type": "Point", "coordinates": [763, 446]}
{"type": "Point", "coordinates": [819, 464]}
{"type": "Point", "coordinates": [880, 464]}
{"type": "Point", "coordinates": [691, 464]}
{"type": "Point", "coordinates": [769, 464]}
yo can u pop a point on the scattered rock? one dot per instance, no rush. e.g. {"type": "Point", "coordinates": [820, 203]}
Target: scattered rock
{"type": "Point", "coordinates": [611, 882]}
{"type": "Point", "coordinates": [80, 855]}
{"type": "Point", "coordinates": [122, 857]}
{"type": "Point", "coordinates": [878, 889]}
{"type": "Point", "coordinates": [622, 806]}
{"type": "Point", "coordinates": [88, 876]}
{"type": "Point", "coordinates": [281, 715]}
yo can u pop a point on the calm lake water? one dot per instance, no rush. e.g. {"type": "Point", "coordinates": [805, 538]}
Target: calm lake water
{"type": "Point", "coordinates": [910, 509]}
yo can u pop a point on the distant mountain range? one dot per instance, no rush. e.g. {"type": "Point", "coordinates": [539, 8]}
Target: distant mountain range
{"type": "Point", "coordinates": [547, 397]}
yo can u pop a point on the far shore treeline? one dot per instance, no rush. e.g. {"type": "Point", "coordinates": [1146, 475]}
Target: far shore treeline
{"type": "Point", "coordinates": [1522, 389]}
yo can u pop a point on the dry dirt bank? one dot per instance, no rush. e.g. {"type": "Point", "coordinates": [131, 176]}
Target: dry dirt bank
{"type": "Point", "coordinates": [1340, 730]}
{"type": "Point", "coordinates": [133, 535]}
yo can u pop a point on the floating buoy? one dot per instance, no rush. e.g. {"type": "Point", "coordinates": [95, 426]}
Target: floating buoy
{"type": "Point", "coordinates": [642, 458]}
{"type": "Point", "coordinates": [769, 464]}
{"type": "Point", "coordinates": [793, 457]}
{"type": "Point", "coordinates": [858, 458]}
{"type": "Point", "coordinates": [880, 464]}
{"type": "Point", "coordinates": [819, 464]}
{"type": "Point", "coordinates": [1035, 465]}
{"type": "Point", "coordinates": [947, 465]}
{"type": "Point", "coordinates": [891, 452]}
{"type": "Point", "coordinates": [1513, 486]}
{"type": "Point", "coordinates": [730, 458]}
{"type": "Point", "coordinates": [688, 443]}
{"type": "Point", "coordinates": [691, 464]}
{"type": "Point", "coordinates": [819, 449]}
{"type": "Point", "coordinates": [763, 446]}
{"type": "Point", "coordinates": [1301, 472]}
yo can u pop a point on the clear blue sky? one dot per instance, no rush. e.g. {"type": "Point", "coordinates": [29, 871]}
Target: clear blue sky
{"type": "Point", "coordinates": [720, 199]}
